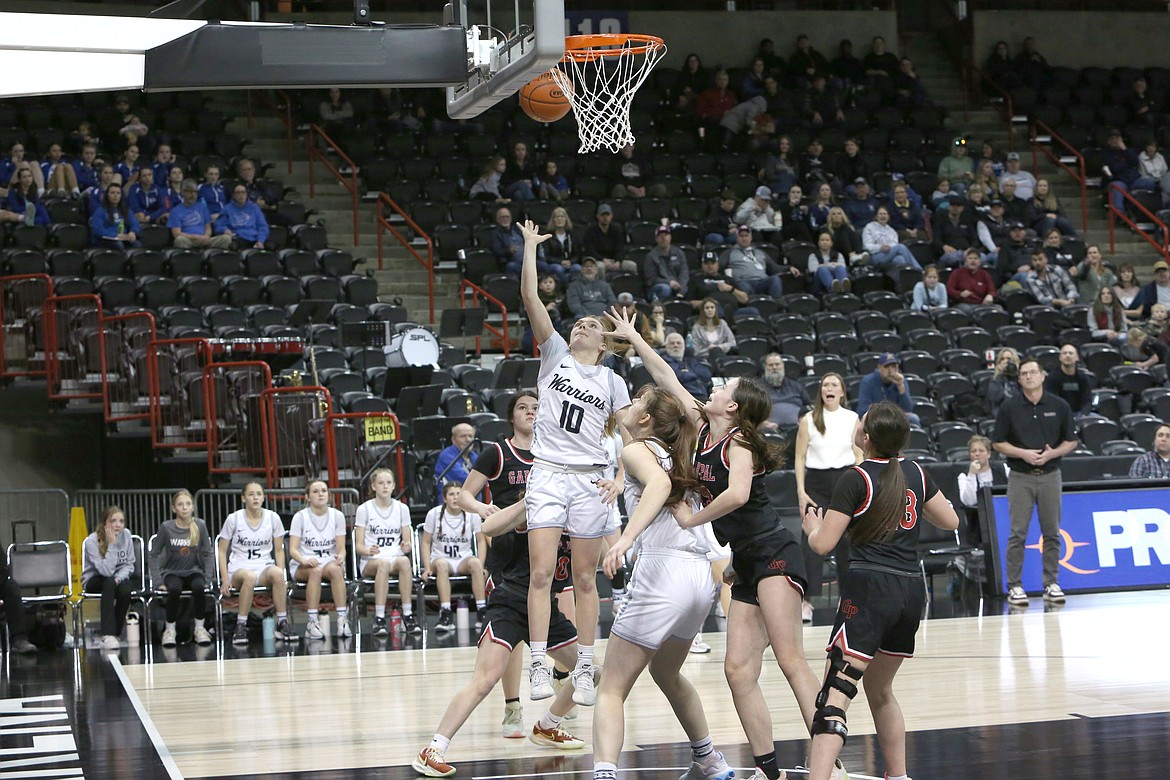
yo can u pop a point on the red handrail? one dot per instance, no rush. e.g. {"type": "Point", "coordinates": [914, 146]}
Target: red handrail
{"type": "Point", "coordinates": [53, 349]}
{"type": "Point", "coordinates": [268, 396]}
{"type": "Point", "coordinates": [1009, 108]}
{"type": "Point", "coordinates": [428, 262]}
{"type": "Point", "coordinates": [476, 292]}
{"type": "Point", "coordinates": [350, 184]}
{"type": "Point", "coordinates": [1078, 174]}
{"type": "Point", "coordinates": [107, 406]}
{"type": "Point", "coordinates": [1115, 214]}
{"type": "Point", "coordinates": [4, 282]}
{"type": "Point", "coordinates": [157, 423]}
{"type": "Point", "coordinates": [211, 412]}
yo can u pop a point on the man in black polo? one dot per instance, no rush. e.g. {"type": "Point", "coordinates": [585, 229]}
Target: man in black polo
{"type": "Point", "coordinates": [1034, 431]}
{"type": "Point", "coordinates": [1070, 383]}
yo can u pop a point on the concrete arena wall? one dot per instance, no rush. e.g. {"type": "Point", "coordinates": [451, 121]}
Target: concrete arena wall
{"type": "Point", "coordinates": [1077, 39]}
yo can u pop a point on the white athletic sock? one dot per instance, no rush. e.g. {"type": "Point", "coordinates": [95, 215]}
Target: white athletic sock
{"type": "Point", "coordinates": [281, 616]}
{"type": "Point", "coordinates": [380, 611]}
{"type": "Point", "coordinates": [313, 615]}
{"type": "Point", "coordinates": [170, 626]}
{"type": "Point", "coordinates": [480, 604]}
{"type": "Point", "coordinates": [899, 777]}
{"type": "Point", "coordinates": [407, 610]}
{"type": "Point", "coordinates": [548, 721]}
{"type": "Point", "coordinates": [584, 656]}
{"type": "Point", "coordinates": [445, 605]}
{"type": "Point", "coordinates": [538, 651]}
{"type": "Point", "coordinates": [341, 613]}
{"type": "Point", "coordinates": [604, 770]}
{"type": "Point", "coordinates": [440, 742]}
{"type": "Point", "coordinates": [702, 748]}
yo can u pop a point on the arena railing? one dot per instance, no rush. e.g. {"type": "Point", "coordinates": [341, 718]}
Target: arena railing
{"type": "Point", "coordinates": [312, 142]}
{"type": "Point", "coordinates": [125, 395]}
{"type": "Point", "coordinates": [145, 510]}
{"type": "Point", "coordinates": [375, 431]}
{"type": "Point", "coordinates": [64, 367]}
{"type": "Point", "coordinates": [289, 436]}
{"type": "Point", "coordinates": [1006, 108]}
{"type": "Point", "coordinates": [19, 296]}
{"type": "Point", "coordinates": [1039, 130]}
{"type": "Point", "coordinates": [428, 262]}
{"type": "Point", "coordinates": [170, 418]}
{"type": "Point", "coordinates": [236, 434]}
{"type": "Point", "coordinates": [42, 513]}
{"type": "Point", "coordinates": [1116, 214]}
{"type": "Point", "coordinates": [476, 292]}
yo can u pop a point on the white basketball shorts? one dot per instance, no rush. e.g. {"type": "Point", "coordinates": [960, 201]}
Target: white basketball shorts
{"type": "Point", "coordinates": [568, 500]}
{"type": "Point", "coordinates": [669, 596]}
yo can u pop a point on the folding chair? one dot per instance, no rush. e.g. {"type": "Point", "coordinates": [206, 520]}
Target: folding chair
{"type": "Point", "coordinates": [364, 586]}
{"type": "Point", "coordinates": [154, 589]}
{"type": "Point", "coordinates": [40, 565]}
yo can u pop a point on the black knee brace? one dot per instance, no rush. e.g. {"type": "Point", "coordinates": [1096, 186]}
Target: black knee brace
{"type": "Point", "coordinates": [839, 669]}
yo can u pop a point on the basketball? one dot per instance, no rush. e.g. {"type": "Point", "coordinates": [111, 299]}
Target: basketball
{"type": "Point", "coordinates": [543, 100]}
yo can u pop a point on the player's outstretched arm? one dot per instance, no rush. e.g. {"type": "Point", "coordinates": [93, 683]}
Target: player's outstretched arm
{"type": "Point", "coordinates": [538, 317]}
{"type": "Point", "coordinates": [660, 371]}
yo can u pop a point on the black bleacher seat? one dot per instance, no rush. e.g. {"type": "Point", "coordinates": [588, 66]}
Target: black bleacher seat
{"type": "Point", "coordinates": [282, 290]}
{"type": "Point", "coordinates": [298, 263]}
{"type": "Point", "coordinates": [183, 262]}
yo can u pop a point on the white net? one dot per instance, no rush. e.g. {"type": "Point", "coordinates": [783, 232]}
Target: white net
{"type": "Point", "coordinates": [600, 82]}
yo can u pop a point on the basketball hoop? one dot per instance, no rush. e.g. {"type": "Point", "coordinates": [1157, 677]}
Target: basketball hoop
{"type": "Point", "coordinates": [599, 75]}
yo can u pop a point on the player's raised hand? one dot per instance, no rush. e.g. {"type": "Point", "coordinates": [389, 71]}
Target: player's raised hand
{"type": "Point", "coordinates": [531, 232]}
{"type": "Point", "coordinates": [623, 323]}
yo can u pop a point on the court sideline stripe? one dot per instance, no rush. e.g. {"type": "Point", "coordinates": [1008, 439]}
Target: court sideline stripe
{"type": "Point", "coordinates": [160, 747]}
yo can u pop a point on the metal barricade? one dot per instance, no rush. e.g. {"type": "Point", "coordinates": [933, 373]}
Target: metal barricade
{"type": "Point", "coordinates": [69, 324]}
{"type": "Point", "coordinates": [145, 510]}
{"type": "Point", "coordinates": [125, 384]}
{"type": "Point", "coordinates": [290, 413]}
{"type": "Point", "coordinates": [33, 515]}
{"type": "Point", "coordinates": [177, 411]}
{"type": "Point", "coordinates": [356, 443]}
{"type": "Point", "coordinates": [213, 505]}
{"type": "Point", "coordinates": [21, 299]}
{"type": "Point", "coordinates": [236, 425]}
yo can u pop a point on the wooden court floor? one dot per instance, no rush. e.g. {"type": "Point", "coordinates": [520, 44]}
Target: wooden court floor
{"type": "Point", "coordinates": [1027, 694]}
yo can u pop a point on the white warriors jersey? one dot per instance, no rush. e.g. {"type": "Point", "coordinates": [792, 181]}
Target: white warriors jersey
{"type": "Point", "coordinates": [318, 533]}
{"type": "Point", "coordinates": [663, 533]}
{"type": "Point", "coordinates": [451, 535]}
{"type": "Point", "coordinates": [575, 403]}
{"type": "Point", "coordinates": [384, 527]}
{"type": "Point", "coordinates": [248, 547]}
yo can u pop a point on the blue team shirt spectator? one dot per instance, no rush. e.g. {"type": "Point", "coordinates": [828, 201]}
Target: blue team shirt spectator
{"type": "Point", "coordinates": [246, 222]}
{"type": "Point", "coordinates": [148, 201]}
{"type": "Point", "coordinates": [213, 197]}
{"type": "Point", "coordinates": [16, 202]}
{"type": "Point", "coordinates": [192, 219]}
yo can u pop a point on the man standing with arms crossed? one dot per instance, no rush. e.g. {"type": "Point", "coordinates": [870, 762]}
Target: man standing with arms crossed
{"type": "Point", "coordinates": [1034, 431]}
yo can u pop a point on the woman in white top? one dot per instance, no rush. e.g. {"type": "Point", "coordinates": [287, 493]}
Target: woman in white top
{"type": "Point", "coordinates": [449, 542]}
{"type": "Point", "coordinates": [251, 554]}
{"type": "Point", "coordinates": [670, 590]}
{"type": "Point", "coordinates": [881, 241]}
{"type": "Point", "coordinates": [824, 450]}
{"type": "Point", "coordinates": [981, 473]}
{"type": "Point", "coordinates": [381, 537]}
{"type": "Point", "coordinates": [317, 548]}
{"type": "Point", "coordinates": [711, 332]}
{"type": "Point", "coordinates": [567, 491]}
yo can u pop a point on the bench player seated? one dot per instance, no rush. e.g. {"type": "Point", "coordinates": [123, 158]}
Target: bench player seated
{"type": "Point", "coordinates": [382, 540]}
{"type": "Point", "coordinates": [447, 548]}
{"type": "Point", "coordinates": [251, 553]}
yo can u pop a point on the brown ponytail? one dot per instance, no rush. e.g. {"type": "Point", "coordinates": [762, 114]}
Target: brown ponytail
{"type": "Point", "coordinates": [671, 428]}
{"type": "Point", "coordinates": [755, 407]}
{"type": "Point", "coordinates": [886, 426]}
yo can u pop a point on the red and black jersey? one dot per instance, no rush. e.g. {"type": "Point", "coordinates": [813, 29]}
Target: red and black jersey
{"type": "Point", "coordinates": [506, 467]}
{"type": "Point", "coordinates": [515, 574]}
{"type": "Point", "coordinates": [853, 496]}
{"type": "Point", "coordinates": [754, 520]}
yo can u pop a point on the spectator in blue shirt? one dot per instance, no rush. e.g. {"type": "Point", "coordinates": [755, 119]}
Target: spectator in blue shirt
{"type": "Point", "coordinates": [242, 221]}
{"type": "Point", "coordinates": [211, 192]}
{"type": "Point", "coordinates": [164, 160]}
{"type": "Point", "coordinates": [84, 168]}
{"type": "Point", "coordinates": [11, 164]}
{"type": "Point", "coordinates": [190, 223]}
{"type": "Point", "coordinates": [58, 173]}
{"type": "Point", "coordinates": [455, 461]}
{"type": "Point", "coordinates": [128, 168]}
{"type": "Point", "coordinates": [145, 200]}
{"type": "Point", "coordinates": [94, 195]}
{"type": "Point", "coordinates": [22, 198]}
{"type": "Point", "coordinates": [112, 225]}
{"type": "Point", "coordinates": [172, 187]}
{"type": "Point", "coordinates": [886, 383]}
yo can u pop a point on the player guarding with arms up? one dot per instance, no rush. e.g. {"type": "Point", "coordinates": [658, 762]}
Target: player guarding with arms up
{"type": "Point", "coordinates": [879, 503]}
{"type": "Point", "coordinates": [567, 490]}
